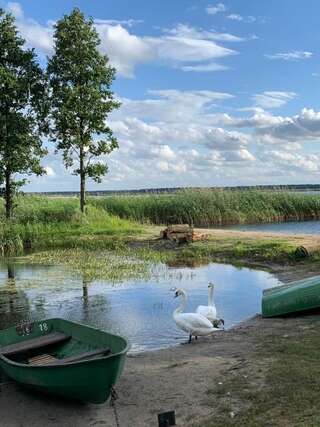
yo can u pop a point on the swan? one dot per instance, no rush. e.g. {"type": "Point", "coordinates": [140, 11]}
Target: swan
{"type": "Point", "coordinates": [193, 323]}
{"type": "Point", "coordinates": [210, 311]}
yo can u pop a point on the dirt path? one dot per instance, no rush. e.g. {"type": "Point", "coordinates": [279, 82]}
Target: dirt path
{"type": "Point", "coordinates": [306, 240]}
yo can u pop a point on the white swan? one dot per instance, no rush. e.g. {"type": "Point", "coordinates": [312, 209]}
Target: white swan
{"type": "Point", "coordinates": [193, 323]}
{"type": "Point", "coordinates": [210, 311]}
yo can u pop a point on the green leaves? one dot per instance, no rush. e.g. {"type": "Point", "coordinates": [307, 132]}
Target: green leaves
{"type": "Point", "coordinates": [80, 78]}
{"type": "Point", "coordinates": [23, 109]}
{"type": "Point", "coordinates": [74, 95]}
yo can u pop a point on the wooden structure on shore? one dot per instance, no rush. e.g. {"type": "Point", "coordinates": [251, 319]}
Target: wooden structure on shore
{"type": "Point", "coordinates": [182, 233]}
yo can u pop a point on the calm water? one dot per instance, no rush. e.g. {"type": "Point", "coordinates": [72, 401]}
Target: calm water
{"type": "Point", "coordinates": [302, 227]}
{"type": "Point", "coordinates": [139, 310]}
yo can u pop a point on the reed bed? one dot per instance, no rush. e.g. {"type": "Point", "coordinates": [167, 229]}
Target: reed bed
{"type": "Point", "coordinates": [205, 208]}
{"type": "Point", "coordinates": [43, 223]}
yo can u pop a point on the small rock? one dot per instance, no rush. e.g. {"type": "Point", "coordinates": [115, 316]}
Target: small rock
{"type": "Point", "coordinates": [232, 414]}
{"type": "Point", "coordinates": [220, 383]}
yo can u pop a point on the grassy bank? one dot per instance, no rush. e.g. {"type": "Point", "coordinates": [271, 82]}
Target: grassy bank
{"type": "Point", "coordinates": [41, 222]}
{"type": "Point", "coordinates": [209, 207]}
{"type": "Point", "coordinates": [278, 384]}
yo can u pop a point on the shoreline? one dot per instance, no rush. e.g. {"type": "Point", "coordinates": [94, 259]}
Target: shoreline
{"type": "Point", "coordinates": [184, 378]}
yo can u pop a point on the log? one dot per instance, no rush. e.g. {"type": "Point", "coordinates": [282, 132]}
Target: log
{"type": "Point", "coordinates": [179, 228]}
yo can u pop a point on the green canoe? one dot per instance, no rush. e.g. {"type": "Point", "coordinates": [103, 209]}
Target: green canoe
{"type": "Point", "coordinates": [293, 297]}
{"type": "Point", "coordinates": [63, 358]}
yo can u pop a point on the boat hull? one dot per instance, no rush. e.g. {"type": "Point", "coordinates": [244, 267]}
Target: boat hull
{"type": "Point", "coordinates": [294, 297]}
{"type": "Point", "coordinates": [88, 380]}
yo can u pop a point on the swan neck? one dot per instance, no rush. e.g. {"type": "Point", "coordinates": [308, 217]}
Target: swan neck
{"type": "Point", "coordinates": [182, 305]}
{"type": "Point", "coordinates": [210, 297]}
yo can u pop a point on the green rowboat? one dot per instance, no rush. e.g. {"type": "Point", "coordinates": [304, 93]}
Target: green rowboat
{"type": "Point", "coordinates": [294, 297]}
{"type": "Point", "coordinates": [64, 358]}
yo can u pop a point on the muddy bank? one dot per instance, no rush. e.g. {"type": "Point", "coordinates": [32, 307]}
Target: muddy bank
{"type": "Point", "coordinates": [173, 379]}
{"type": "Point", "coordinates": [184, 379]}
{"type": "Point", "coordinates": [188, 378]}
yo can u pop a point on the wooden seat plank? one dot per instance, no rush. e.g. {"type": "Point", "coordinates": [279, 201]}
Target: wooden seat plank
{"type": "Point", "coordinates": [34, 343]}
{"type": "Point", "coordinates": [82, 356]}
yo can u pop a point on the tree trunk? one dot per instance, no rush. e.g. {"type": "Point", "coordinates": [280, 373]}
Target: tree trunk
{"type": "Point", "coordinates": [82, 184]}
{"type": "Point", "coordinates": [8, 194]}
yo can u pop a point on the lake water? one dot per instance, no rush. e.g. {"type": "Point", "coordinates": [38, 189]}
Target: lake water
{"type": "Point", "coordinates": [296, 227]}
{"type": "Point", "coordinates": [140, 310]}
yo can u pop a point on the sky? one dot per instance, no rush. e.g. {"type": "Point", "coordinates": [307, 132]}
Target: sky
{"type": "Point", "coordinates": [212, 93]}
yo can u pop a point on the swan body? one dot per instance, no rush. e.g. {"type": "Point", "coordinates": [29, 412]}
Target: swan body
{"type": "Point", "coordinates": [209, 311]}
{"type": "Point", "coordinates": [193, 323]}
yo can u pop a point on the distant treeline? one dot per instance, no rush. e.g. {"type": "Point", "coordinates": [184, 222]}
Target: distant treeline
{"type": "Point", "coordinates": [291, 187]}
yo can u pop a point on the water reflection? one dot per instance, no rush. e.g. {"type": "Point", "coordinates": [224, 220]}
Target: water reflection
{"type": "Point", "coordinates": [140, 310]}
{"type": "Point", "coordinates": [295, 227]}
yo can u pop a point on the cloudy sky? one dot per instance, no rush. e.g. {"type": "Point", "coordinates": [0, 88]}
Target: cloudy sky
{"type": "Point", "coordinates": [213, 93]}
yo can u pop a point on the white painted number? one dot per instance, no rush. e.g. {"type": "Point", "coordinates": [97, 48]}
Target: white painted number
{"type": "Point", "coordinates": [43, 327]}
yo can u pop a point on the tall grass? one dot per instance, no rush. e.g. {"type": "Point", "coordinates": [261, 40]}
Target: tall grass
{"type": "Point", "coordinates": [213, 207]}
{"type": "Point", "coordinates": [42, 222]}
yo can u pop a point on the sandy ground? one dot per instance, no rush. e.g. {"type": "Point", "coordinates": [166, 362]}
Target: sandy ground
{"type": "Point", "coordinates": [307, 240]}
{"type": "Point", "coordinates": [177, 379]}
{"type": "Point", "coordinates": [173, 379]}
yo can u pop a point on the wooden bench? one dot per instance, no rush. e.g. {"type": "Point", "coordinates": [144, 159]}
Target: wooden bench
{"type": "Point", "coordinates": [49, 360]}
{"type": "Point", "coordinates": [34, 344]}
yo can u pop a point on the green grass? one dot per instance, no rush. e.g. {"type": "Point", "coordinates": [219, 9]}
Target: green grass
{"type": "Point", "coordinates": [112, 265]}
{"type": "Point", "coordinates": [279, 387]}
{"type": "Point", "coordinates": [42, 222]}
{"type": "Point", "coordinates": [212, 207]}
{"type": "Point", "coordinates": [233, 250]}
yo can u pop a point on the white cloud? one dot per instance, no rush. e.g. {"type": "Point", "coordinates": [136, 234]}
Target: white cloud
{"type": "Point", "coordinates": [214, 9]}
{"type": "Point", "coordinates": [240, 18]}
{"type": "Point", "coordinates": [125, 50]}
{"type": "Point", "coordinates": [15, 9]}
{"type": "Point", "coordinates": [180, 47]}
{"type": "Point", "coordinates": [49, 171]}
{"type": "Point", "coordinates": [185, 49]}
{"type": "Point", "coordinates": [273, 99]}
{"type": "Point", "coordinates": [290, 56]}
{"type": "Point", "coordinates": [204, 68]}
{"type": "Point", "coordinates": [235, 17]}
{"type": "Point", "coordinates": [223, 140]}
{"type": "Point", "coordinates": [185, 30]}
{"type": "Point", "coordinates": [303, 126]}
{"type": "Point", "coordinates": [172, 105]}
{"type": "Point", "coordinates": [36, 35]}
{"type": "Point", "coordinates": [125, 22]}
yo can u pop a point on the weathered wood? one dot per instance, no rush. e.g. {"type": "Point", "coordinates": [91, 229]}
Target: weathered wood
{"type": "Point", "coordinates": [49, 360]}
{"type": "Point", "coordinates": [41, 359]}
{"type": "Point", "coordinates": [82, 356]}
{"type": "Point", "coordinates": [179, 228]}
{"type": "Point", "coordinates": [34, 343]}
{"type": "Point", "coordinates": [182, 233]}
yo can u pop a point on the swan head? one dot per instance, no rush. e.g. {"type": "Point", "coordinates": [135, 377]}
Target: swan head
{"type": "Point", "coordinates": [218, 323]}
{"type": "Point", "coordinates": [179, 292]}
{"type": "Point", "coordinates": [211, 285]}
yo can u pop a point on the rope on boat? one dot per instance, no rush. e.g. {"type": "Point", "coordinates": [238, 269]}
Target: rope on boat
{"type": "Point", "coordinates": [114, 397]}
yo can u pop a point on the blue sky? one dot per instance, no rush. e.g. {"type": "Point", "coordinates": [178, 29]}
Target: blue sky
{"type": "Point", "coordinates": [213, 93]}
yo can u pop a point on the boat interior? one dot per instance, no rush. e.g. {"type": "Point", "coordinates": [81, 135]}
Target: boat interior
{"type": "Point", "coordinates": [53, 349]}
